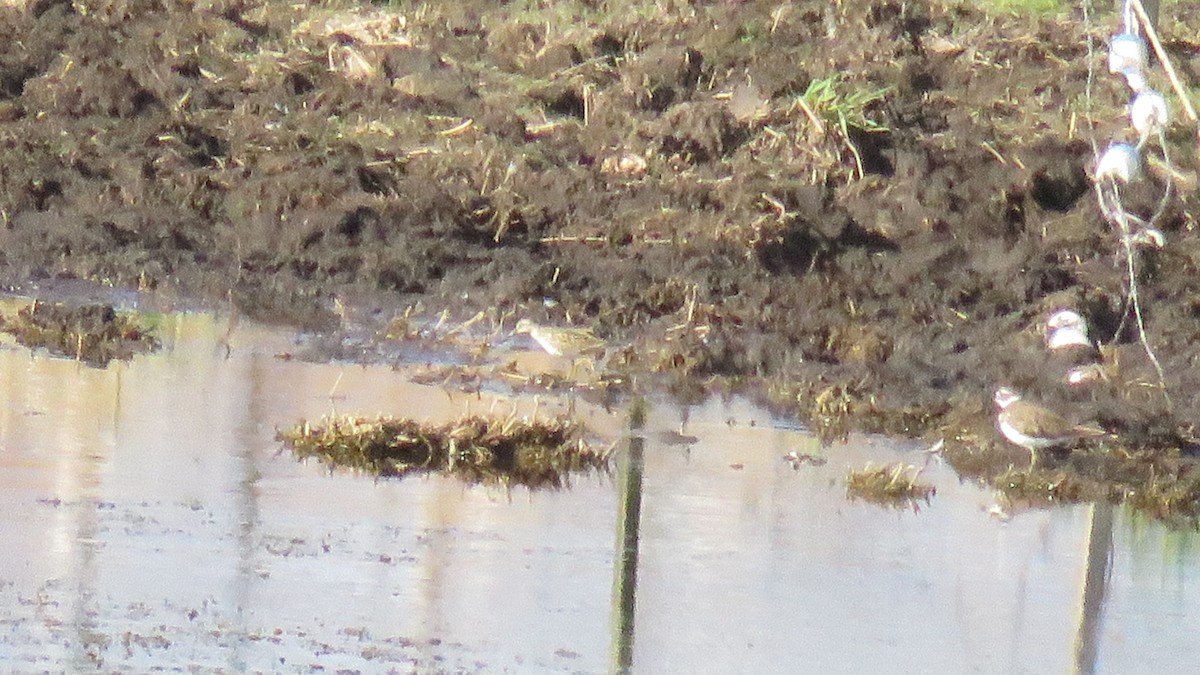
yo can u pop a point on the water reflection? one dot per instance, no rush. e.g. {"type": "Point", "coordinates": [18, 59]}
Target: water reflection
{"type": "Point", "coordinates": [1095, 582]}
{"type": "Point", "coordinates": [147, 520]}
{"type": "Point", "coordinates": [629, 519]}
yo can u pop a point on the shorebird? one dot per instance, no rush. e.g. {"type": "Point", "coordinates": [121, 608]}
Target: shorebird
{"type": "Point", "coordinates": [1033, 427]}
{"type": "Point", "coordinates": [558, 341]}
{"type": "Point", "coordinates": [572, 343]}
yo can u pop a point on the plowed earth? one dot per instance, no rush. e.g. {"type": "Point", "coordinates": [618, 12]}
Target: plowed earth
{"type": "Point", "coordinates": [863, 211]}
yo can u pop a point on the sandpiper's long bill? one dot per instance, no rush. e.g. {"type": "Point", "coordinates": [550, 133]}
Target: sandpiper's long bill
{"type": "Point", "coordinates": [1033, 427]}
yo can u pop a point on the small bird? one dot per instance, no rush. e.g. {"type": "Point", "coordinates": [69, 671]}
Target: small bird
{"type": "Point", "coordinates": [1033, 427]}
{"type": "Point", "coordinates": [559, 341]}
{"type": "Point", "coordinates": [572, 343]}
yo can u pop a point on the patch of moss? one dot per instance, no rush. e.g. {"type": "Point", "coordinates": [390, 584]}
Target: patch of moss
{"type": "Point", "coordinates": [537, 454]}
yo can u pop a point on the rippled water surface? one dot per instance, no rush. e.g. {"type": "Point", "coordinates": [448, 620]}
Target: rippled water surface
{"type": "Point", "coordinates": [148, 520]}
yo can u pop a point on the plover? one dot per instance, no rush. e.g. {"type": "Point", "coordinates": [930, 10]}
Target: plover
{"type": "Point", "coordinates": [1033, 427]}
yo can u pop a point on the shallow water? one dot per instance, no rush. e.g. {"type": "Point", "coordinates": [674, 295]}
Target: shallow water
{"type": "Point", "coordinates": [149, 521]}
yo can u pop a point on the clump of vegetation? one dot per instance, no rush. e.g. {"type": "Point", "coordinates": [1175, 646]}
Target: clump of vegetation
{"type": "Point", "coordinates": [1023, 6]}
{"type": "Point", "coordinates": [1173, 500]}
{"type": "Point", "coordinates": [840, 112]}
{"type": "Point", "coordinates": [94, 334]}
{"type": "Point", "coordinates": [1162, 481]}
{"type": "Point", "coordinates": [830, 411]}
{"type": "Point", "coordinates": [894, 485]}
{"type": "Point", "coordinates": [537, 454]}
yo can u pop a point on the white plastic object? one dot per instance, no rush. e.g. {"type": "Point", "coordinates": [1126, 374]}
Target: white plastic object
{"type": "Point", "coordinates": [1120, 162]}
{"type": "Point", "coordinates": [1127, 51]}
{"type": "Point", "coordinates": [1148, 112]}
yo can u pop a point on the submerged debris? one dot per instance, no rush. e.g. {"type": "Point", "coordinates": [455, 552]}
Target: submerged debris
{"type": "Point", "coordinates": [536, 454]}
{"type": "Point", "coordinates": [893, 485]}
{"type": "Point", "coordinates": [798, 459]}
{"type": "Point", "coordinates": [95, 334]}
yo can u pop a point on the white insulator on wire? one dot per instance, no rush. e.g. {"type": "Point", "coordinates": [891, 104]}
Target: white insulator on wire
{"type": "Point", "coordinates": [1136, 80]}
{"type": "Point", "coordinates": [1127, 52]}
{"type": "Point", "coordinates": [1120, 162]}
{"type": "Point", "coordinates": [1148, 112]}
{"type": "Point", "coordinates": [1066, 328]}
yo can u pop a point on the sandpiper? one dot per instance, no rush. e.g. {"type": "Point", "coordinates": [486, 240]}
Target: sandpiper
{"type": "Point", "coordinates": [572, 343]}
{"type": "Point", "coordinates": [558, 341]}
{"type": "Point", "coordinates": [1033, 427]}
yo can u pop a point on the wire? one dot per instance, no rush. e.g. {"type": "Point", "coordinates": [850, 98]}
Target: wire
{"type": "Point", "coordinates": [1108, 193]}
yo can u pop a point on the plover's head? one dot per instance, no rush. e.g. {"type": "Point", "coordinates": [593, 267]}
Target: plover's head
{"type": "Point", "coordinates": [524, 326]}
{"type": "Point", "coordinates": [1005, 397]}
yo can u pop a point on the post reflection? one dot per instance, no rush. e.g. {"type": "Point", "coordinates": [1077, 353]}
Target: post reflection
{"type": "Point", "coordinates": [1097, 568]}
{"type": "Point", "coordinates": [625, 575]}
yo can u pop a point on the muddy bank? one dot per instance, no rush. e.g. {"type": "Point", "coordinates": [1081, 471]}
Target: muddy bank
{"type": "Point", "coordinates": [864, 213]}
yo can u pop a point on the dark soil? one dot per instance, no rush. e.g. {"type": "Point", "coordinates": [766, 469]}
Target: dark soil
{"type": "Point", "coordinates": [882, 256]}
